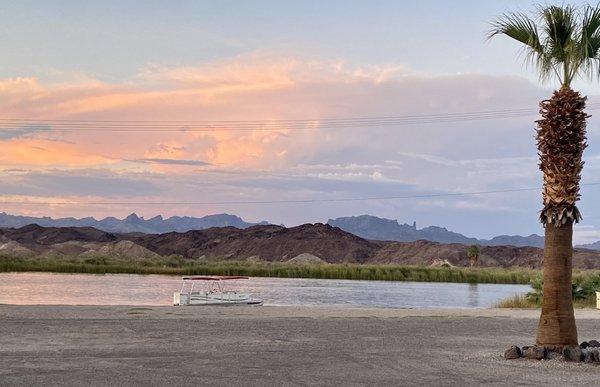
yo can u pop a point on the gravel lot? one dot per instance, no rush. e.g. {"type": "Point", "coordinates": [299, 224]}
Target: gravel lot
{"type": "Point", "coordinates": [75, 345]}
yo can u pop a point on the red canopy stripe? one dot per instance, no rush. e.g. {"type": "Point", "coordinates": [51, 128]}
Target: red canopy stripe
{"type": "Point", "coordinates": [214, 278]}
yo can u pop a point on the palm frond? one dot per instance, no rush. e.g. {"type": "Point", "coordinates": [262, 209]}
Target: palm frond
{"type": "Point", "coordinates": [524, 30]}
{"type": "Point", "coordinates": [562, 42]}
{"type": "Point", "coordinates": [590, 27]}
{"type": "Point", "coordinates": [589, 41]}
{"type": "Point", "coordinates": [519, 27]}
{"type": "Point", "coordinates": [559, 26]}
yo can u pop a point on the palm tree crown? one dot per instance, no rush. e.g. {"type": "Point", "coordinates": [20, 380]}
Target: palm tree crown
{"type": "Point", "coordinates": [564, 43]}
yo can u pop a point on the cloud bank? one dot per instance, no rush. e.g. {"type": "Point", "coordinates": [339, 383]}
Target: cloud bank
{"type": "Point", "coordinates": [93, 162]}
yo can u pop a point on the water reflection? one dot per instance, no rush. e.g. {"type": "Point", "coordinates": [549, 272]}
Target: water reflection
{"type": "Point", "coordinates": [473, 296]}
{"type": "Point", "coordinates": [124, 289]}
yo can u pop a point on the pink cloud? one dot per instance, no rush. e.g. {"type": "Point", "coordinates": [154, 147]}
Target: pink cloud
{"type": "Point", "coordinates": [259, 87]}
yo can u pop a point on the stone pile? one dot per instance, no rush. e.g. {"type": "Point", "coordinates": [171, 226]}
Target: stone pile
{"type": "Point", "coordinates": [588, 351]}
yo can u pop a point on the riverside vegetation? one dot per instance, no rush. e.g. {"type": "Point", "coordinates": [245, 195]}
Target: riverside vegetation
{"type": "Point", "coordinates": [176, 265]}
{"type": "Point", "coordinates": [583, 292]}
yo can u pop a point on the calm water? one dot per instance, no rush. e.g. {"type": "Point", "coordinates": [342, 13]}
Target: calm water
{"type": "Point", "coordinates": [126, 289]}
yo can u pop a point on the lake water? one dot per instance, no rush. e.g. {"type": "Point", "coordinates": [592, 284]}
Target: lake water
{"type": "Point", "coordinates": [131, 289]}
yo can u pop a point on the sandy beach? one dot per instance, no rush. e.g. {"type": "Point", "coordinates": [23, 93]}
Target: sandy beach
{"type": "Point", "coordinates": [70, 345]}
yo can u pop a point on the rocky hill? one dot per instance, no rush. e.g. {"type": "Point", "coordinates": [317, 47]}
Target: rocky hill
{"type": "Point", "coordinates": [590, 246]}
{"type": "Point", "coordinates": [268, 243]}
{"type": "Point", "coordinates": [364, 226]}
{"type": "Point", "coordinates": [263, 243]}
{"type": "Point", "coordinates": [372, 227]}
{"type": "Point", "coordinates": [533, 240]}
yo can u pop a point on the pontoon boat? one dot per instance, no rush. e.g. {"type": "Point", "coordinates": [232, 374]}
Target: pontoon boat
{"type": "Point", "coordinates": [213, 293]}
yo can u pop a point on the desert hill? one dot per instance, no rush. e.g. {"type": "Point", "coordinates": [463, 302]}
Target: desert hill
{"type": "Point", "coordinates": [264, 243]}
{"type": "Point", "coordinates": [364, 226]}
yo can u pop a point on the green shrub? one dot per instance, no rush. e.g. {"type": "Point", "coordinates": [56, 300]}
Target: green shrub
{"type": "Point", "coordinates": [583, 290]}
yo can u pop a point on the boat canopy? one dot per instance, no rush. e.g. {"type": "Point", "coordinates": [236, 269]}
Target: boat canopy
{"type": "Point", "coordinates": [214, 278]}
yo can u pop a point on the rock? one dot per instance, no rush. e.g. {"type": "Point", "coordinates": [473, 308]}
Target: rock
{"type": "Point", "coordinates": [595, 355]}
{"type": "Point", "coordinates": [589, 357]}
{"type": "Point", "coordinates": [513, 352]}
{"type": "Point", "coordinates": [441, 263]}
{"type": "Point", "coordinates": [584, 345]}
{"type": "Point", "coordinates": [594, 343]}
{"type": "Point", "coordinates": [572, 353]}
{"type": "Point", "coordinates": [534, 352]}
{"type": "Point", "coordinates": [254, 259]}
{"type": "Point", "coordinates": [306, 258]}
{"type": "Point", "coordinates": [554, 349]}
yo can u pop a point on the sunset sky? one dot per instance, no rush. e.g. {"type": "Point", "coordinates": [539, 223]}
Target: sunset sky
{"type": "Point", "coordinates": [269, 61]}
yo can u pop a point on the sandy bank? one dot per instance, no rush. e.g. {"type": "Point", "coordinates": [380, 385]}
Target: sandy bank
{"type": "Point", "coordinates": [71, 345]}
{"type": "Point", "coordinates": [168, 312]}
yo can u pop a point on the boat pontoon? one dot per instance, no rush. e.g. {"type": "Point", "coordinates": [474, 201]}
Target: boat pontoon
{"type": "Point", "coordinates": [213, 292]}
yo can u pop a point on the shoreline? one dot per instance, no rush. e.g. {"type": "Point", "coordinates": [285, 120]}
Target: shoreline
{"type": "Point", "coordinates": [269, 311]}
{"type": "Point", "coordinates": [349, 271]}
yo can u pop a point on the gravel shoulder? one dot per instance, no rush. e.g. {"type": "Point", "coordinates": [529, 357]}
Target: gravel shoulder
{"type": "Point", "coordinates": [73, 345]}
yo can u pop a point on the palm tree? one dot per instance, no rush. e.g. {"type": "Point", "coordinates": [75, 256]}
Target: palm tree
{"type": "Point", "coordinates": [473, 255]}
{"type": "Point", "coordinates": [562, 43]}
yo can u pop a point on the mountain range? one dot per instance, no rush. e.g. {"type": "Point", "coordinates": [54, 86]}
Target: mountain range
{"type": "Point", "coordinates": [265, 243]}
{"type": "Point", "coordinates": [590, 246]}
{"type": "Point", "coordinates": [132, 223]}
{"type": "Point", "coordinates": [364, 226]}
{"type": "Point", "coordinates": [372, 227]}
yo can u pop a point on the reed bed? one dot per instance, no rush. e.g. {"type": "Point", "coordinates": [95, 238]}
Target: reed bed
{"type": "Point", "coordinates": [275, 269]}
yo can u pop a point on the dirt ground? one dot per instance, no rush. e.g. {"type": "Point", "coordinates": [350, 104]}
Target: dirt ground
{"type": "Point", "coordinates": [76, 345]}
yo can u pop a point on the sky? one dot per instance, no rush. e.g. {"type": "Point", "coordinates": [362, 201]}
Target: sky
{"type": "Point", "coordinates": [268, 61]}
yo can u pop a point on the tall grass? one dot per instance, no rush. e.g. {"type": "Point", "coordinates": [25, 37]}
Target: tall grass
{"type": "Point", "coordinates": [277, 269]}
{"type": "Point", "coordinates": [584, 287]}
{"type": "Point", "coordinates": [520, 301]}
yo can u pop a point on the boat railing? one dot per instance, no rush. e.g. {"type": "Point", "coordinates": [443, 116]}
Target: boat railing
{"type": "Point", "coordinates": [211, 287]}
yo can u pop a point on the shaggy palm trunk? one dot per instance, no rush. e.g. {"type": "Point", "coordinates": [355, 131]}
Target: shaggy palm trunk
{"type": "Point", "coordinates": [473, 260]}
{"type": "Point", "coordinates": [561, 141]}
{"type": "Point", "coordinates": [557, 322]}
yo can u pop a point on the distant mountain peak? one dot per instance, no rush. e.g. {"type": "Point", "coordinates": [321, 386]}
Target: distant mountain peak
{"type": "Point", "coordinates": [373, 227]}
{"type": "Point", "coordinates": [132, 223]}
{"type": "Point", "coordinates": [133, 218]}
{"type": "Point", "coordinates": [590, 246]}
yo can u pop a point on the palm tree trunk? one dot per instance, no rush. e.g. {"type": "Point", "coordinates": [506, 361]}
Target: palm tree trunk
{"type": "Point", "coordinates": [561, 140]}
{"type": "Point", "coordinates": [557, 322]}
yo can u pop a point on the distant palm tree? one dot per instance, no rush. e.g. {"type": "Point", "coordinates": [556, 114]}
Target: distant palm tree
{"type": "Point", "coordinates": [562, 43]}
{"type": "Point", "coordinates": [473, 255]}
